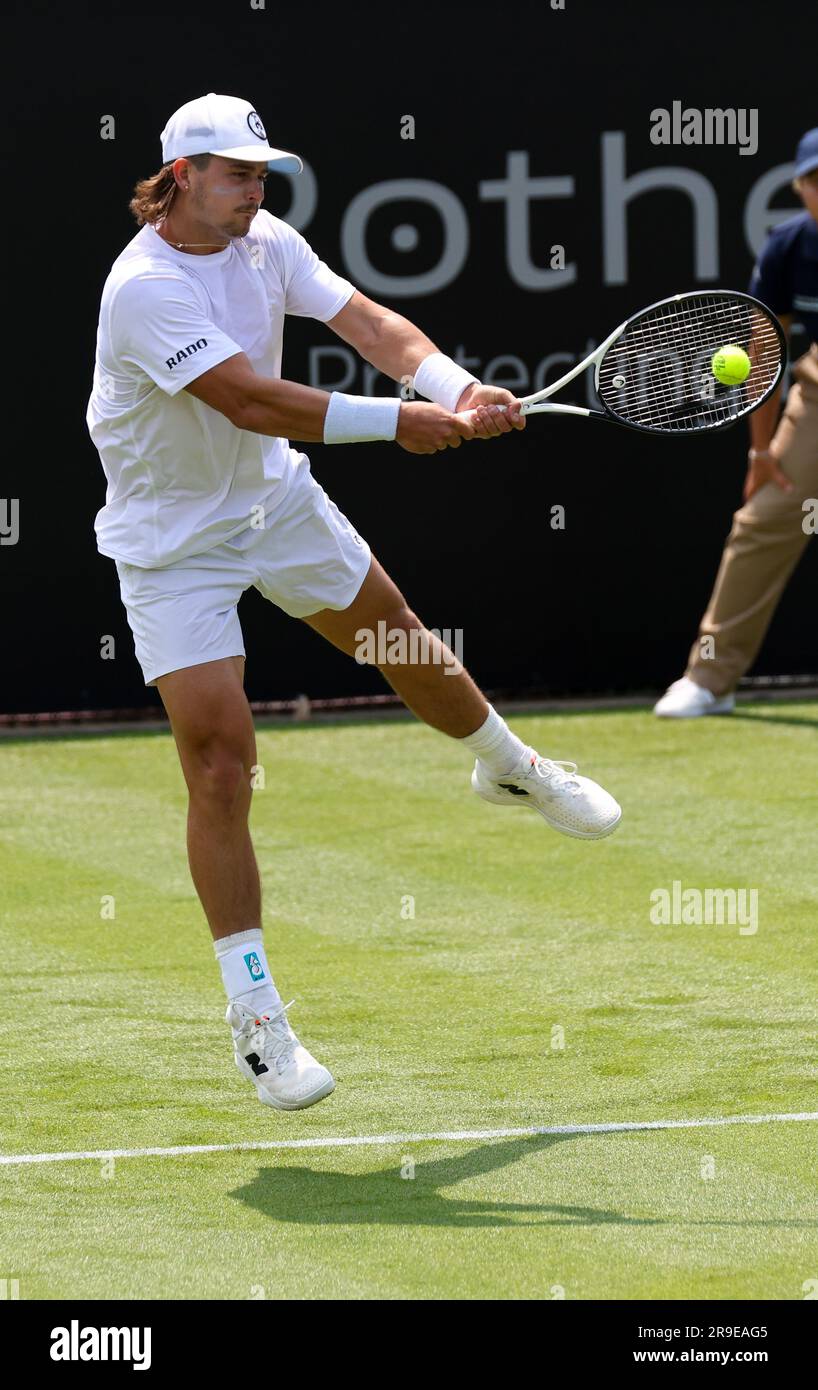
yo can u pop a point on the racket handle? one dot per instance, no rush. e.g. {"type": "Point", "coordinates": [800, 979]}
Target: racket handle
{"type": "Point", "coordinates": [470, 414]}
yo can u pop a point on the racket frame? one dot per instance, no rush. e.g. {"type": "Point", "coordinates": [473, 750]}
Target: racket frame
{"type": "Point", "coordinates": [537, 404]}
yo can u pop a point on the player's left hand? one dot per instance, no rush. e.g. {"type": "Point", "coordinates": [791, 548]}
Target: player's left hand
{"type": "Point", "coordinates": [489, 420]}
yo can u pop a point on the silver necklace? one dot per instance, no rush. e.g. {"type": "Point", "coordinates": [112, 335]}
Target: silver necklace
{"type": "Point", "coordinates": [180, 244]}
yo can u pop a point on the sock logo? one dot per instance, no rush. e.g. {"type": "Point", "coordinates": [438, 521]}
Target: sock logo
{"type": "Point", "coordinates": [253, 964]}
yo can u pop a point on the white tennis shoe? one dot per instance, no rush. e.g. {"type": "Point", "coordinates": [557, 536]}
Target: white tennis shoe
{"type": "Point", "coordinates": [570, 803]}
{"type": "Point", "coordinates": [684, 699]}
{"type": "Point", "coordinates": [269, 1054]}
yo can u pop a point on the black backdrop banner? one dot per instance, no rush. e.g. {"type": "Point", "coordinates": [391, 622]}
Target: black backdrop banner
{"type": "Point", "coordinates": [497, 177]}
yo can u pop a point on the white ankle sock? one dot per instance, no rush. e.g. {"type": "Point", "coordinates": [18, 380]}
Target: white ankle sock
{"type": "Point", "coordinates": [245, 971]}
{"type": "Point", "coordinates": [495, 745]}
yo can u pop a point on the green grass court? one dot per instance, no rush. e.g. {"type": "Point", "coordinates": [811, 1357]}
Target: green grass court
{"type": "Point", "coordinates": [446, 1020]}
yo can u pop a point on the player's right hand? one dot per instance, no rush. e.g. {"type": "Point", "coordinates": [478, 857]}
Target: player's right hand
{"type": "Point", "coordinates": [765, 468]}
{"type": "Point", "coordinates": [424, 429]}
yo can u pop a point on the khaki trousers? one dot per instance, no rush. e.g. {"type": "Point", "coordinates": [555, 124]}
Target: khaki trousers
{"type": "Point", "coordinates": [763, 548]}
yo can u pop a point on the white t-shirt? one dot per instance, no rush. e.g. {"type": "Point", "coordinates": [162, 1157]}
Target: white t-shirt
{"type": "Point", "coordinates": [181, 476]}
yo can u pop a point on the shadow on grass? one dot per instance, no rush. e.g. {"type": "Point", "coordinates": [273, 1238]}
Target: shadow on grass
{"type": "Point", "coordinates": [386, 1199]}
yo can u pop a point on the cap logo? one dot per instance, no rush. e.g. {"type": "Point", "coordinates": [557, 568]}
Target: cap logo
{"type": "Point", "coordinates": [255, 124]}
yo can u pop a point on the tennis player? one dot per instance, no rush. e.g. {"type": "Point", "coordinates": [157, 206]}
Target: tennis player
{"type": "Point", "coordinates": [205, 497]}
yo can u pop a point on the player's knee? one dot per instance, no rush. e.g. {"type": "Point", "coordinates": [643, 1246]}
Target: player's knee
{"type": "Point", "coordinates": [381, 643]}
{"type": "Point", "coordinates": [219, 777]}
{"type": "Point", "coordinates": [402, 619]}
{"type": "Point", "coordinates": [405, 640]}
{"type": "Point", "coordinates": [405, 633]}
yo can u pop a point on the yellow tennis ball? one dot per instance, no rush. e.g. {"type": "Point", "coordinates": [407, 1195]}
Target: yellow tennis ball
{"type": "Point", "coordinates": [731, 365]}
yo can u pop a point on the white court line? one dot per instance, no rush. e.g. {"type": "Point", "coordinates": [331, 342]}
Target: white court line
{"type": "Point", "coordinates": [374, 1140]}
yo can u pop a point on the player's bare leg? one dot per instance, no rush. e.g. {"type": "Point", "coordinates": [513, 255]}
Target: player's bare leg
{"type": "Point", "coordinates": [449, 702]}
{"type": "Point", "coordinates": [441, 692]}
{"type": "Point", "coordinates": [213, 728]}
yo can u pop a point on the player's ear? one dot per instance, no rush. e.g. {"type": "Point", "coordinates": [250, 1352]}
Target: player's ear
{"type": "Point", "coordinates": [181, 172]}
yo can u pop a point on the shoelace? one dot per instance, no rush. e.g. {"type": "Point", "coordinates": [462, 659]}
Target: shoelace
{"type": "Point", "coordinates": [557, 773]}
{"type": "Point", "coordinates": [272, 1046]}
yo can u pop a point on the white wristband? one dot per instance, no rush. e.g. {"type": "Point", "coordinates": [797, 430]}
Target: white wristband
{"type": "Point", "coordinates": [440, 379]}
{"type": "Point", "coordinates": [355, 419]}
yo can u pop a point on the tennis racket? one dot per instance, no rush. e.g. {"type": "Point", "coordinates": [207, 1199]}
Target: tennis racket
{"type": "Point", "coordinates": [654, 374]}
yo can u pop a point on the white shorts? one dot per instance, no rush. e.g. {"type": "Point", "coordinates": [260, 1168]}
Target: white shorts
{"type": "Point", "coordinates": [307, 558]}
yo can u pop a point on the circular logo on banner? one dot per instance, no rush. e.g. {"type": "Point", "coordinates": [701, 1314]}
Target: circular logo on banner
{"type": "Point", "coordinates": [255, 124]}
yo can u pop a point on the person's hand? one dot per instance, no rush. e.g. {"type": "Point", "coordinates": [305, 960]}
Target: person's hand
{"type": "Point", "coordinates": [763, 467]}
{"type": "Point", "coordinates": [423, 429]}
{"type": "Point", "coordinates": [490, 420]}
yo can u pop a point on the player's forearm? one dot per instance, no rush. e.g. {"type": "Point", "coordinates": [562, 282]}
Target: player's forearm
{"type": "Point", "coordinates": [764, 420]}
{"type": "Point", "coordinates": [285, 409]}
{"type": "Point", "coordinates": [397, 346]}
{"type": "Point", "coordinates": [288, 410]}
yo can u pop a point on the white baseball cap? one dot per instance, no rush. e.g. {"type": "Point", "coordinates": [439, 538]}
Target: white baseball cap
{"type": "Point", "coordinates": [226, 126]}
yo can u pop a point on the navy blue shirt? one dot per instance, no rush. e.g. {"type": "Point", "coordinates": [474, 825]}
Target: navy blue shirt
{"type": "Point", "coordinates": [786, 276]}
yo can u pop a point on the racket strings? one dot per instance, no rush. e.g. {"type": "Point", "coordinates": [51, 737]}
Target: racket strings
{"type": "Point", "coordinates": [658, 373]}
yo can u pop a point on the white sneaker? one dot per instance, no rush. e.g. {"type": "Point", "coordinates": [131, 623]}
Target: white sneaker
{"type": "Point", "coordinates": [575, 805]}
{"type": "Point", "coordinates": [269, 1054]}
{"type": "Point", "coordinates": [684, 699]}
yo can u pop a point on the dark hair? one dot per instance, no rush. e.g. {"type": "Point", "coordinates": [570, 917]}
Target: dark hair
{"type": "Point", "coordinates": [152, 197]}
